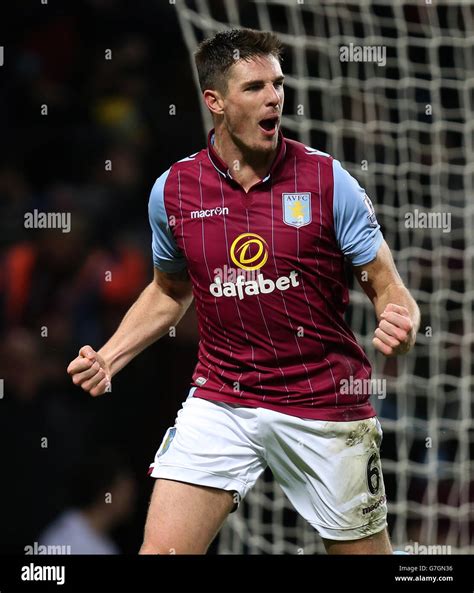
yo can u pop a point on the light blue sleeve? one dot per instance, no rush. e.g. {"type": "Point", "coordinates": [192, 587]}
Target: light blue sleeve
{"type": "Point", "coordinates": [167, 257]}
{"type": "Point", "coordinates": [357, 230]}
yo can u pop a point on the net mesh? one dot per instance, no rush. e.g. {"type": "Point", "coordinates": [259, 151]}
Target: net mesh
{"type": "Point", "coordinates": [401, 123]}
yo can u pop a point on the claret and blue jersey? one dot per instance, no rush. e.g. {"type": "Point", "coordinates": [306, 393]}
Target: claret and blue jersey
{"type": "Point", "coordinates": [267, 268]}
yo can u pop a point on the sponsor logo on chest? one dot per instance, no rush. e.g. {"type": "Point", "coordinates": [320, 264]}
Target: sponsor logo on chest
{"type": "Point", "coordinates": [249, 252]}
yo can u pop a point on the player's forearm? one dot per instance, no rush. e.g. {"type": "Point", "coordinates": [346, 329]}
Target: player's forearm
{"type": "Point", "coordinates": [398, 294]}
{"type": "Point", "coordinates": [147, 320]}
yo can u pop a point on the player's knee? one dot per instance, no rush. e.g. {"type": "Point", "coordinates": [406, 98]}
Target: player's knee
{"type": "Point", "coordinates": [152, 548]}
{"type": "Point", "coordinates": [148, 549]}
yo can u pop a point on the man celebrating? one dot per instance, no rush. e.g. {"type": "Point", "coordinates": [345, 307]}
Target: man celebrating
{"type": "Point", "coordinates": [256, 227]}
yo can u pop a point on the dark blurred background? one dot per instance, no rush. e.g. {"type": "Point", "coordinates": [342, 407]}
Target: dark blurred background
{"type": "Point", "coordinates": [59, 291]}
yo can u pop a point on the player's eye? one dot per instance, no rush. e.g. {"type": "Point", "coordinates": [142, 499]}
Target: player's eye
{"type": "Point", "coordinates": [254, 87]}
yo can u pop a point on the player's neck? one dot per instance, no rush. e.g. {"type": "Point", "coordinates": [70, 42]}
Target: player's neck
{"type": "Point", "coordinates": [246, 167]}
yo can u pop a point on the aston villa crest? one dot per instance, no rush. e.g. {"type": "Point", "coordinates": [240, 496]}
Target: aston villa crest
{"type": "Point", "coordinates": [165, 444]}
{"type": "Point", "coordinates": [297, 209]}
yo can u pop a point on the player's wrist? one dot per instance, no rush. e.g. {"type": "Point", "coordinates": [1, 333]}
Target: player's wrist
{"type": "Point", "coordinates": [107, 362]}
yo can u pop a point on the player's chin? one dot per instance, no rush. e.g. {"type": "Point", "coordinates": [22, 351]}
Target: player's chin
{"type": "Point", "coordinates": [265, 148]}
{"type": "Point", "coordinates": [266, 143]}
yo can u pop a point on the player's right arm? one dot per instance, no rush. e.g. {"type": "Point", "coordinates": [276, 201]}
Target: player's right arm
{"type": "Point", "coordinates": [160, 306]}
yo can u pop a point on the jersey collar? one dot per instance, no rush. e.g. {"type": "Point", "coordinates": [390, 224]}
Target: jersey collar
{"type": "Point", "coordinates": [223, 169]}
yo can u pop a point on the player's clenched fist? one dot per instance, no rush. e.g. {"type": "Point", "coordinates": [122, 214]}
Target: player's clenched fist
{"type": "Point", "coordinates": [90, 371]}
{"type": "Point", "coordinates": [395, 333]}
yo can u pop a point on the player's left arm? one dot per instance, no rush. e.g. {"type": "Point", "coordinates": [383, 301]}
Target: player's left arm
{"type": "Point", "coordinates": [397, 313]}
{"type": "Point", "coordinates": [361, 241]}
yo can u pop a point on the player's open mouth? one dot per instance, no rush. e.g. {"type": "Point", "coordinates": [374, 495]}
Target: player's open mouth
{"type": "Point", "coordinates": [269, 125]}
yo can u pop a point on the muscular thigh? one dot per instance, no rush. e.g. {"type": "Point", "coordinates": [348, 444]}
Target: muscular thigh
{"type": "Point", "coordinates": [184, 518]}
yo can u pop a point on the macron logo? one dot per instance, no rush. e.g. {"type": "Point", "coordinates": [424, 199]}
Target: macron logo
{"type": "Point", "coordinates": [212, 212]}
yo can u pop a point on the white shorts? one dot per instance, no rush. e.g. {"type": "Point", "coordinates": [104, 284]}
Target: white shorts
{"type": "Point", "coordinates": [330, 471]}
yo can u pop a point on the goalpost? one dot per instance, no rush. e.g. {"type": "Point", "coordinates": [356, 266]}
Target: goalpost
{"type": "Point", "coordinates": [387, 88]}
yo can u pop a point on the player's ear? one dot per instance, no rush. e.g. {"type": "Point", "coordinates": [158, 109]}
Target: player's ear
{"type": "Point", "coordinates": [214, 101]}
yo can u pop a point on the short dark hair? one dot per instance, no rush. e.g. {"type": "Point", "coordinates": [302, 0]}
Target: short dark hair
{"type": "Point", "coordinates": [217, 54]}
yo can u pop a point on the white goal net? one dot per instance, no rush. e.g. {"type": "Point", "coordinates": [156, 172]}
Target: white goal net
{"type": "Point", "coordinates": [388, 89]}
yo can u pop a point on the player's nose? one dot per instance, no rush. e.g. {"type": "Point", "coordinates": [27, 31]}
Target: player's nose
{"type": "Point", "coordinates": [273, 98]}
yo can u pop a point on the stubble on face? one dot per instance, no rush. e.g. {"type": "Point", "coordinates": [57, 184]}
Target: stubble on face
{"type": "Point", "coordinates": [253, 103]}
